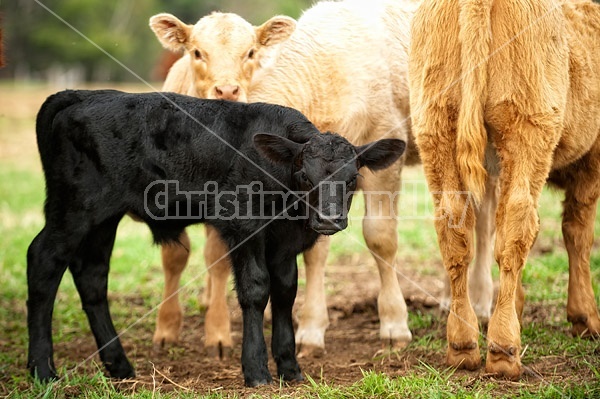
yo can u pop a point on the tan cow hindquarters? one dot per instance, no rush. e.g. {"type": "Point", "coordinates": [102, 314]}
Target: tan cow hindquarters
{"type": "Point", "coordinates": [531, 77]}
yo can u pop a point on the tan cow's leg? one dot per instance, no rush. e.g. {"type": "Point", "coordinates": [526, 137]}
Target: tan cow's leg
{"type": "Point", "coordinates": [525, 150]}
{"type": "Point", "coordinates": [217, 326]}
{"type": "Point", "coordinates": [313, 319]}
{"type": "Point", "coordinates": [481, 286]}
{"type": "Point", "coordinates": [380, 232]}
{"type": "Point", "coordinates": [578, 232]}
{"type": "Point", "coordinates": [170, 316]}
{"type": "Point", "coordinates": [454, 223]}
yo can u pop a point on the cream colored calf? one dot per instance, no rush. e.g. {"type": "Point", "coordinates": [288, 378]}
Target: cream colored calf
{"type": "Point", "coordinates": [221, 52]}
{"type": "Point", "coordinates": [345, 68]}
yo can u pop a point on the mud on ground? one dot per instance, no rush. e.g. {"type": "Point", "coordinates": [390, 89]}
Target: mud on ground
{"type": "Point", "coordinates": [352, 342]}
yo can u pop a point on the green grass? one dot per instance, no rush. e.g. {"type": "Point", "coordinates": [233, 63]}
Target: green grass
{"type": "Point", "coordinates": [570, 366]}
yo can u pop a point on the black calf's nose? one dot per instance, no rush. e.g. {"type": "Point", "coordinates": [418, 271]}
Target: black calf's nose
{"type": "Point", "coordinates": [327, 226]}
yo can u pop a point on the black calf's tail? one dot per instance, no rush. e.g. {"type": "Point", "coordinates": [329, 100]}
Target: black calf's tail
{"type": "Point", "coordinates": [45, 122]}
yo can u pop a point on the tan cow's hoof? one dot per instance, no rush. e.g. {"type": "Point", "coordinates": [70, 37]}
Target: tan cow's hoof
{"type": "Point", "coordinates": [504, 362]}
{"type": "Point", "coordinates": [168, 327]}
{"type": "Point", "coordinates": [585, 327]}
{"type": "Point", "coordinates": [219, 352]}
{"type": "Point", "coordinates": [164, 339]}
{"type": "Point", "coordinates": [309, 351]}
{"type": "Point", "coordinates": [464, 355]}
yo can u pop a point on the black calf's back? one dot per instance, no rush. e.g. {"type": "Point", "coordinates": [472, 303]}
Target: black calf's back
{"type": "Point", "coordinates": [111, 146]}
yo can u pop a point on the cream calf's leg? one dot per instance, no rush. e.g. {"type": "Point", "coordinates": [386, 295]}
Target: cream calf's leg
{"type": "Point", "coordinates": [217, 325]}
{"type": "Point", "coordinates": [313, 319]}
{"type": "Point", "coordinates": [380, 232]}
{"type": "Point", "coordinates": [170, 315]}
{"type": "Point", "coordinates": [481, 286]}
{"type": "Point", "coordinates": [578, 233]}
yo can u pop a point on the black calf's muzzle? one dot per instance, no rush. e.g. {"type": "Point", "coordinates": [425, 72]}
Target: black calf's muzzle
{"type": "Point", "coordinates": [329, 225]}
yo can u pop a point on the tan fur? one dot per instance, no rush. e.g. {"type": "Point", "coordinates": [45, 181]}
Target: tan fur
{"type": "Point", "coordinates": [540, 90]}
{"type": "Point", "coordinates": [471, 138]}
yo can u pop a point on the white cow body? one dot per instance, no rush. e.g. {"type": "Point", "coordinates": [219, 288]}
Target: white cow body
{"type": "Point", "coordinates": [345, 67]}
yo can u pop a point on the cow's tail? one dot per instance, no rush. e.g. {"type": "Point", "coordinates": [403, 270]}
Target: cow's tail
{"type": "Point", "coordinates": [45, 119]}
{"type": "Point", "coordinates": [471, 139]}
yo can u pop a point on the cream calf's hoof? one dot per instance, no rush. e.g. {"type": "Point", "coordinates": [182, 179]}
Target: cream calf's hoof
{"type": "Point", "coordinates": [396, 336]}
{"type": "Point", "coordinates": [482, 305]}
{"type": "Point", "coordinates": [310, 343]}
{"type": "Point", "coordinates": [445, 305]}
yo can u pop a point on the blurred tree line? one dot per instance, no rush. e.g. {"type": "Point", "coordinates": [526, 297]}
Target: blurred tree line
{"type": "Point", "coordinates": [40, 41]}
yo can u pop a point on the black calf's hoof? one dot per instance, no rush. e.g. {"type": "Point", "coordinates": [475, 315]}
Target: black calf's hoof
{"type": "Point", "coordinates": [289, 371]}
{"type": "Point", "coordinates": [265, 379]}
{"type": "Point", "coordinates": [44, 376]}
{"type": "Point", "coordinates": [293, 377]}
{"type": "Point", "coordinates": [43, 370]}
{"type": "Point", "coordinates": [121, 370]}
{"type": "Point", "coordinates": [256, 383]}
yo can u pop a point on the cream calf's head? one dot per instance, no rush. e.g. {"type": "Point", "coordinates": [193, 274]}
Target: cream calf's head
{"type": "Point", "coordinates": [223, 49]}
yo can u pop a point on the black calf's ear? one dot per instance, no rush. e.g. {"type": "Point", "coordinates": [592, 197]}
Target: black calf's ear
{"type": "Point", "coordinates": [380, 154]}
{"type": "Point", "coordinates": [276, 149]}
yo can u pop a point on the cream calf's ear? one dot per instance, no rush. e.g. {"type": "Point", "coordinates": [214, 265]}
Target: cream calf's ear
{"type": "Point", "coordinates": [276, 30]}
{"type": "Point", "coordinates": [170, 31]}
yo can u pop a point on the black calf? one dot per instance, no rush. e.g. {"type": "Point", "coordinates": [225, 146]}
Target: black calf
{"type": "Point", "coordinates": [173, 161]}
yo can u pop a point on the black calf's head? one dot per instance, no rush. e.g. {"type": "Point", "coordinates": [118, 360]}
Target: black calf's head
{"type": "Point", "coordinates": [326, 168]}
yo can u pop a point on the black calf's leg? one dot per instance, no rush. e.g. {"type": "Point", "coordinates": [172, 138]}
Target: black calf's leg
{"type": "Point", "coordinates": [45, 269]}
{"type": "Point", "coordinates": [284, 284]}
{"type": "Point", "coordinates": [252, 286]}
{"type": "Point", "coordinates": [90, 273]}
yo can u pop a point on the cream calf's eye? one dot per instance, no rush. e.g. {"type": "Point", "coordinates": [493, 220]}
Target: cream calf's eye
{"type": "Point", "coordinates": [197, 55]}
{"type": "Point", "coordinates": [251, 54]}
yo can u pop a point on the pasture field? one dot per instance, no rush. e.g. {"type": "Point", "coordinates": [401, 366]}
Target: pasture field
{"type": "Point", "coordinates": [557, 364]}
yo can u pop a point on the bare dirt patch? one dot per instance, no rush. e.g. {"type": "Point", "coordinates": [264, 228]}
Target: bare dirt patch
{"type": "Point", "coordinates": [352, 341]}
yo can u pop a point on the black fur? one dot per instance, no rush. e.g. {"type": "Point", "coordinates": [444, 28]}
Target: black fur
{"type": "Point", "coordinates": [108, 153]}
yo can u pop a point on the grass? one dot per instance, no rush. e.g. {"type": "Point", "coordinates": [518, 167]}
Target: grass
{"type": "Point", "coordinates": [570, 366]}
